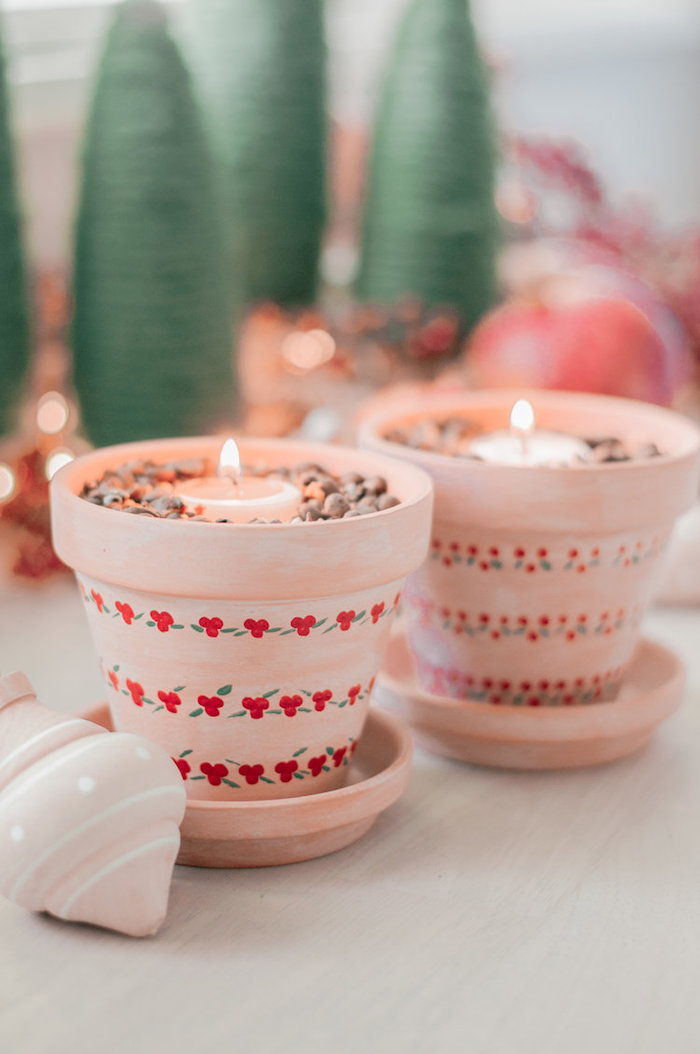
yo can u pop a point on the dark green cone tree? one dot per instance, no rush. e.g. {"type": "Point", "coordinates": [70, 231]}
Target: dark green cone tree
{"type": "Point", "coordinates": [430, 224]}
{"type": "Point", "coordinates": [260, 67]}
{"type": "Point", "coordinates": [152, 326]}
{"type": "Point", "coordinates": [14, 308]}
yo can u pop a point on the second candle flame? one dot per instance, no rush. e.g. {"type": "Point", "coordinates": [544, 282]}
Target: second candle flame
{"type": "Point", "coordinates": [230, 462]}
{"type": "Point", "coordinates": [522, 417]}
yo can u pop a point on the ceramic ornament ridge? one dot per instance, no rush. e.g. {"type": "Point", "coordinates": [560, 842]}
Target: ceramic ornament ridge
{"type": "Point", "coordinates": [89, 821]}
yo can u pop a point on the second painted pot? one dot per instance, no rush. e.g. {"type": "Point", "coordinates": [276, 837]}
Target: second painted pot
{"type": "Point", "coordinates": [248, 651]}
{"type": "Point", "coordinates": [537, 577]}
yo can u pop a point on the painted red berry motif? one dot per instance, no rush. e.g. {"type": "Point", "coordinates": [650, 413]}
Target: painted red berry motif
{"type": "Point", "coordinates": [286, 770]}
{"type": "Point", "coordinates": [290, 704]}
{"type": "Point", "coordinates": [126, 611]}
{"type": "Point", "coordinates": [321, 698]}
{"type": "Point", "coordinates": [184, 766]}
{"type": "Point", "coordinates": [136, 691]}
{"type": "Point", "coordinates": [97, 597]}
{"type": "Point", "coordinates": [396, 600]}
{"type": "Point", "coordinates": [316, 764]}
{"type": "Point", "coordinates": [251, 773]}
{"type": "Point", "coordinates": [211, 626]}
{"type": "Point", "coordinates": [377, 613]}
{"type": "Point", "coordinates": [171, 701]}
{"type": "Point", "coordinates": [338, 756]}
{"type": "Point", "coordinates": [303, 625]}
{"type": "Point", "coordinates": [211, 704]}
{"type": "Point", "coordinates": [256, 627]}
{"type": "Point", "coordinates": [353, 693]}
{"type": "Point", "coordinates": [163, 620]}
{"type": "Point", "coordinates": [214, 773]}
{"type": "Point", "coordinates": [344, 619]}
{"type": "Point", "coordinates": [114, 680]}
{"type": "Point", "coordinates": [255, 707]}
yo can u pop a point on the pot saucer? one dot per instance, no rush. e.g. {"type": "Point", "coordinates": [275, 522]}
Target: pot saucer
{"type": "Point", "coordinates": [535, 738]}
{"type": "Point", "coordinates": [287, 830]}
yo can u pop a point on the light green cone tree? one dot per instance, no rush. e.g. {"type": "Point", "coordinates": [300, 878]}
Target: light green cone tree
{"type": "Point", "coordinates": [430, 224]}
{"type": "Point", "coordinates": [152, 326]}
{"type": "Point", "coordinates": [14, 307]}
{"type": "Point", "coordinates": [260, 67]}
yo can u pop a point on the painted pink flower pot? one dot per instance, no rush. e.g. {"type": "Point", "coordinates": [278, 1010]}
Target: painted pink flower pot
{"type": "Point", "coordinates": [537, 577]}
{"type": "Point", "coordinates": [248, 651]}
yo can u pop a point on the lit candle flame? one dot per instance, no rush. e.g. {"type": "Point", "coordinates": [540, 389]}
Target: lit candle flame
{"type": "Point", "coordinates": [230, 462]}
{"type": "Point", "coordinates": [522, 417]}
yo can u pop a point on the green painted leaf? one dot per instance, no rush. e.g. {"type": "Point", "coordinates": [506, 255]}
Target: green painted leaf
{"type": "Point", "coordinates": [196, 777]}
{"type": "Point", "coordinates": [275, 629]}
{"type": "Point", "coordinates": [228, 629]}
{"type": "Point", "coordinates": [196, 628]}
{"type": "Point", "coordinates": [239, 713]}
{"type": "Point", "coordinates": [297, 775]}
{"type": "Point", "coordinates": [298, 753]}
{"type": "Point", "coordinates": [240, 633]}
{"type": "Point", "coordinates": [546, 565]}
{"type": "Point", "coordinates": [179, 688]}
{"type": "Point", "coordinates": [330, 751]}
{"type": "Point", "coordinates": [264, 779]}
{"type": "Point", "coordinates": [325, 768]}
{"type": "Point", "coordinates": [230, 783]}
{"type": "Point", "coordinates": [360, 615]}
{"type": "Point", "coordinates": [268, 695]}
{"type": "Point", "coordinates": [177, 625]}
{"type": "Point", "coordinates": [185, 753]}
{"type": "Point", "coordinates": [284, 632]}
{"type": "Point", "coordinates": [137, 617]}
{"type": "Point", "coordinates": [329, 628]}
{"type": "Point", "coordinates": [197, 712]}
{"type": "Point", "coordinates": [161, 707]}
{"type": "Point", "coordinates": [149, 701]}
{"type": "Point", "coordinates": [151, 623]}
{"type": "Point", "coordinates": [225, 690]}
{"type": "Point", "coordinates": [321, 622]}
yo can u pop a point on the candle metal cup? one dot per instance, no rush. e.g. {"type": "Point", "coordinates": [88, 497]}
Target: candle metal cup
{"type": "Point", "coordinates": [248, 651]}
{"type": "Point", "coordinates": [537, 577]}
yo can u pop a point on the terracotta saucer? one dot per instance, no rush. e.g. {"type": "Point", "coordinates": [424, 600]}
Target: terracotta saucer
{"type": "Point", "coordinates": [263, 833]}
{"type": "Point", "coordinates": [535, 738]}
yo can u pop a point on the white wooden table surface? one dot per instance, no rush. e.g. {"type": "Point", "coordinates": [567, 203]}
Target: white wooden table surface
{"type": "Point", "coordinates": [486, 912]}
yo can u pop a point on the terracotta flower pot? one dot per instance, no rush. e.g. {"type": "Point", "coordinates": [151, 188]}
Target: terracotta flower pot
{"type": "Point", "coordinates": [537, 577]}
{"type": "Point", "coordinates": [248, 651]}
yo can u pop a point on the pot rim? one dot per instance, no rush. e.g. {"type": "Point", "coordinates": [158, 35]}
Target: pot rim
{"type": "Point", "coordinates": [430, 404]}
{"type": "Point", "coordinates": [224, 560]}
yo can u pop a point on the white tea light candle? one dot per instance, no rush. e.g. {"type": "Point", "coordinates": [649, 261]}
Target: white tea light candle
{"type": "Point", "coordinates": [523, 444]}
{"type": "Point", "coordinates": [232, 496]}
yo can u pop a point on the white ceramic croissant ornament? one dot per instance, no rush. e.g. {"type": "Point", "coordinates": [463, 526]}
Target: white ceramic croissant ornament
{"type": "Point", "coordinates": [89, 819]}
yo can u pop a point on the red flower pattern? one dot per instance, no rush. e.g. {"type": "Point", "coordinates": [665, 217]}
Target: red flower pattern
{"type": "Point", "coordinates": [303, 625]}
{"type": "Point", "coordinates": [255, 707]}
{"type": "Point", "coordinates": [97, 597]}
{"type": "Point", "coordinates": [211, 704]}
{"type": "Point", "coordinates": [290, 704]}
{"type": "Point", "coordinates": [211, 626]}
{"type": "Point", "coordinates": [321, 698]}
{"type": "Point", "coordinates": [163, 620]}
{"type": "Point", "coordinates": [171, 701]}
{"type": "Point", "coordinates": [184, 766]}
{"type": "Point", "coordinates": [338, 756]}
{"type": "Point", "coordinates": [286, 770]}
{"type": "Point", "coordinates": [256, 627]}
{"type": "Point", "coordinates": [251, 773]}
{"type": "Point", "coordinates": [126, 611]}
{"type": "Point", "coordinates": [344, 619]}
{"type": "Point", "coordinates": [377, 613]}
{"type": "Point", "coordinates": [353, 693]}
{"type": "Point", "coordinates": [214, 773]}
{"type": "Point", "coordinates": [114, 679]}
{"type": "Point", "coordinates": [316, 764]}
{"type": "Point", "coordinates": [136, 691]}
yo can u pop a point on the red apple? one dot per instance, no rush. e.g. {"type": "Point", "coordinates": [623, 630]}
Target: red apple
{"type": "Point", "coordinates": [596, 344]}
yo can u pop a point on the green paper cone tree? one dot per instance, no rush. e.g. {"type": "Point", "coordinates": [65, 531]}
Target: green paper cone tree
{"type": "Point", "coordinates": [14, 309]}
{"type": "Point", "coordinates": [430, 224]}
{"type": "Point", "coordinates": [260, 67]}
{"type": "Point", "coordinates": [152, 324]}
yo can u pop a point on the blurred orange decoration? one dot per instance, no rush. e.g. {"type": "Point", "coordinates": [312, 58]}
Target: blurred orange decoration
{"type": "Point", "coordinates": [45, 441]}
